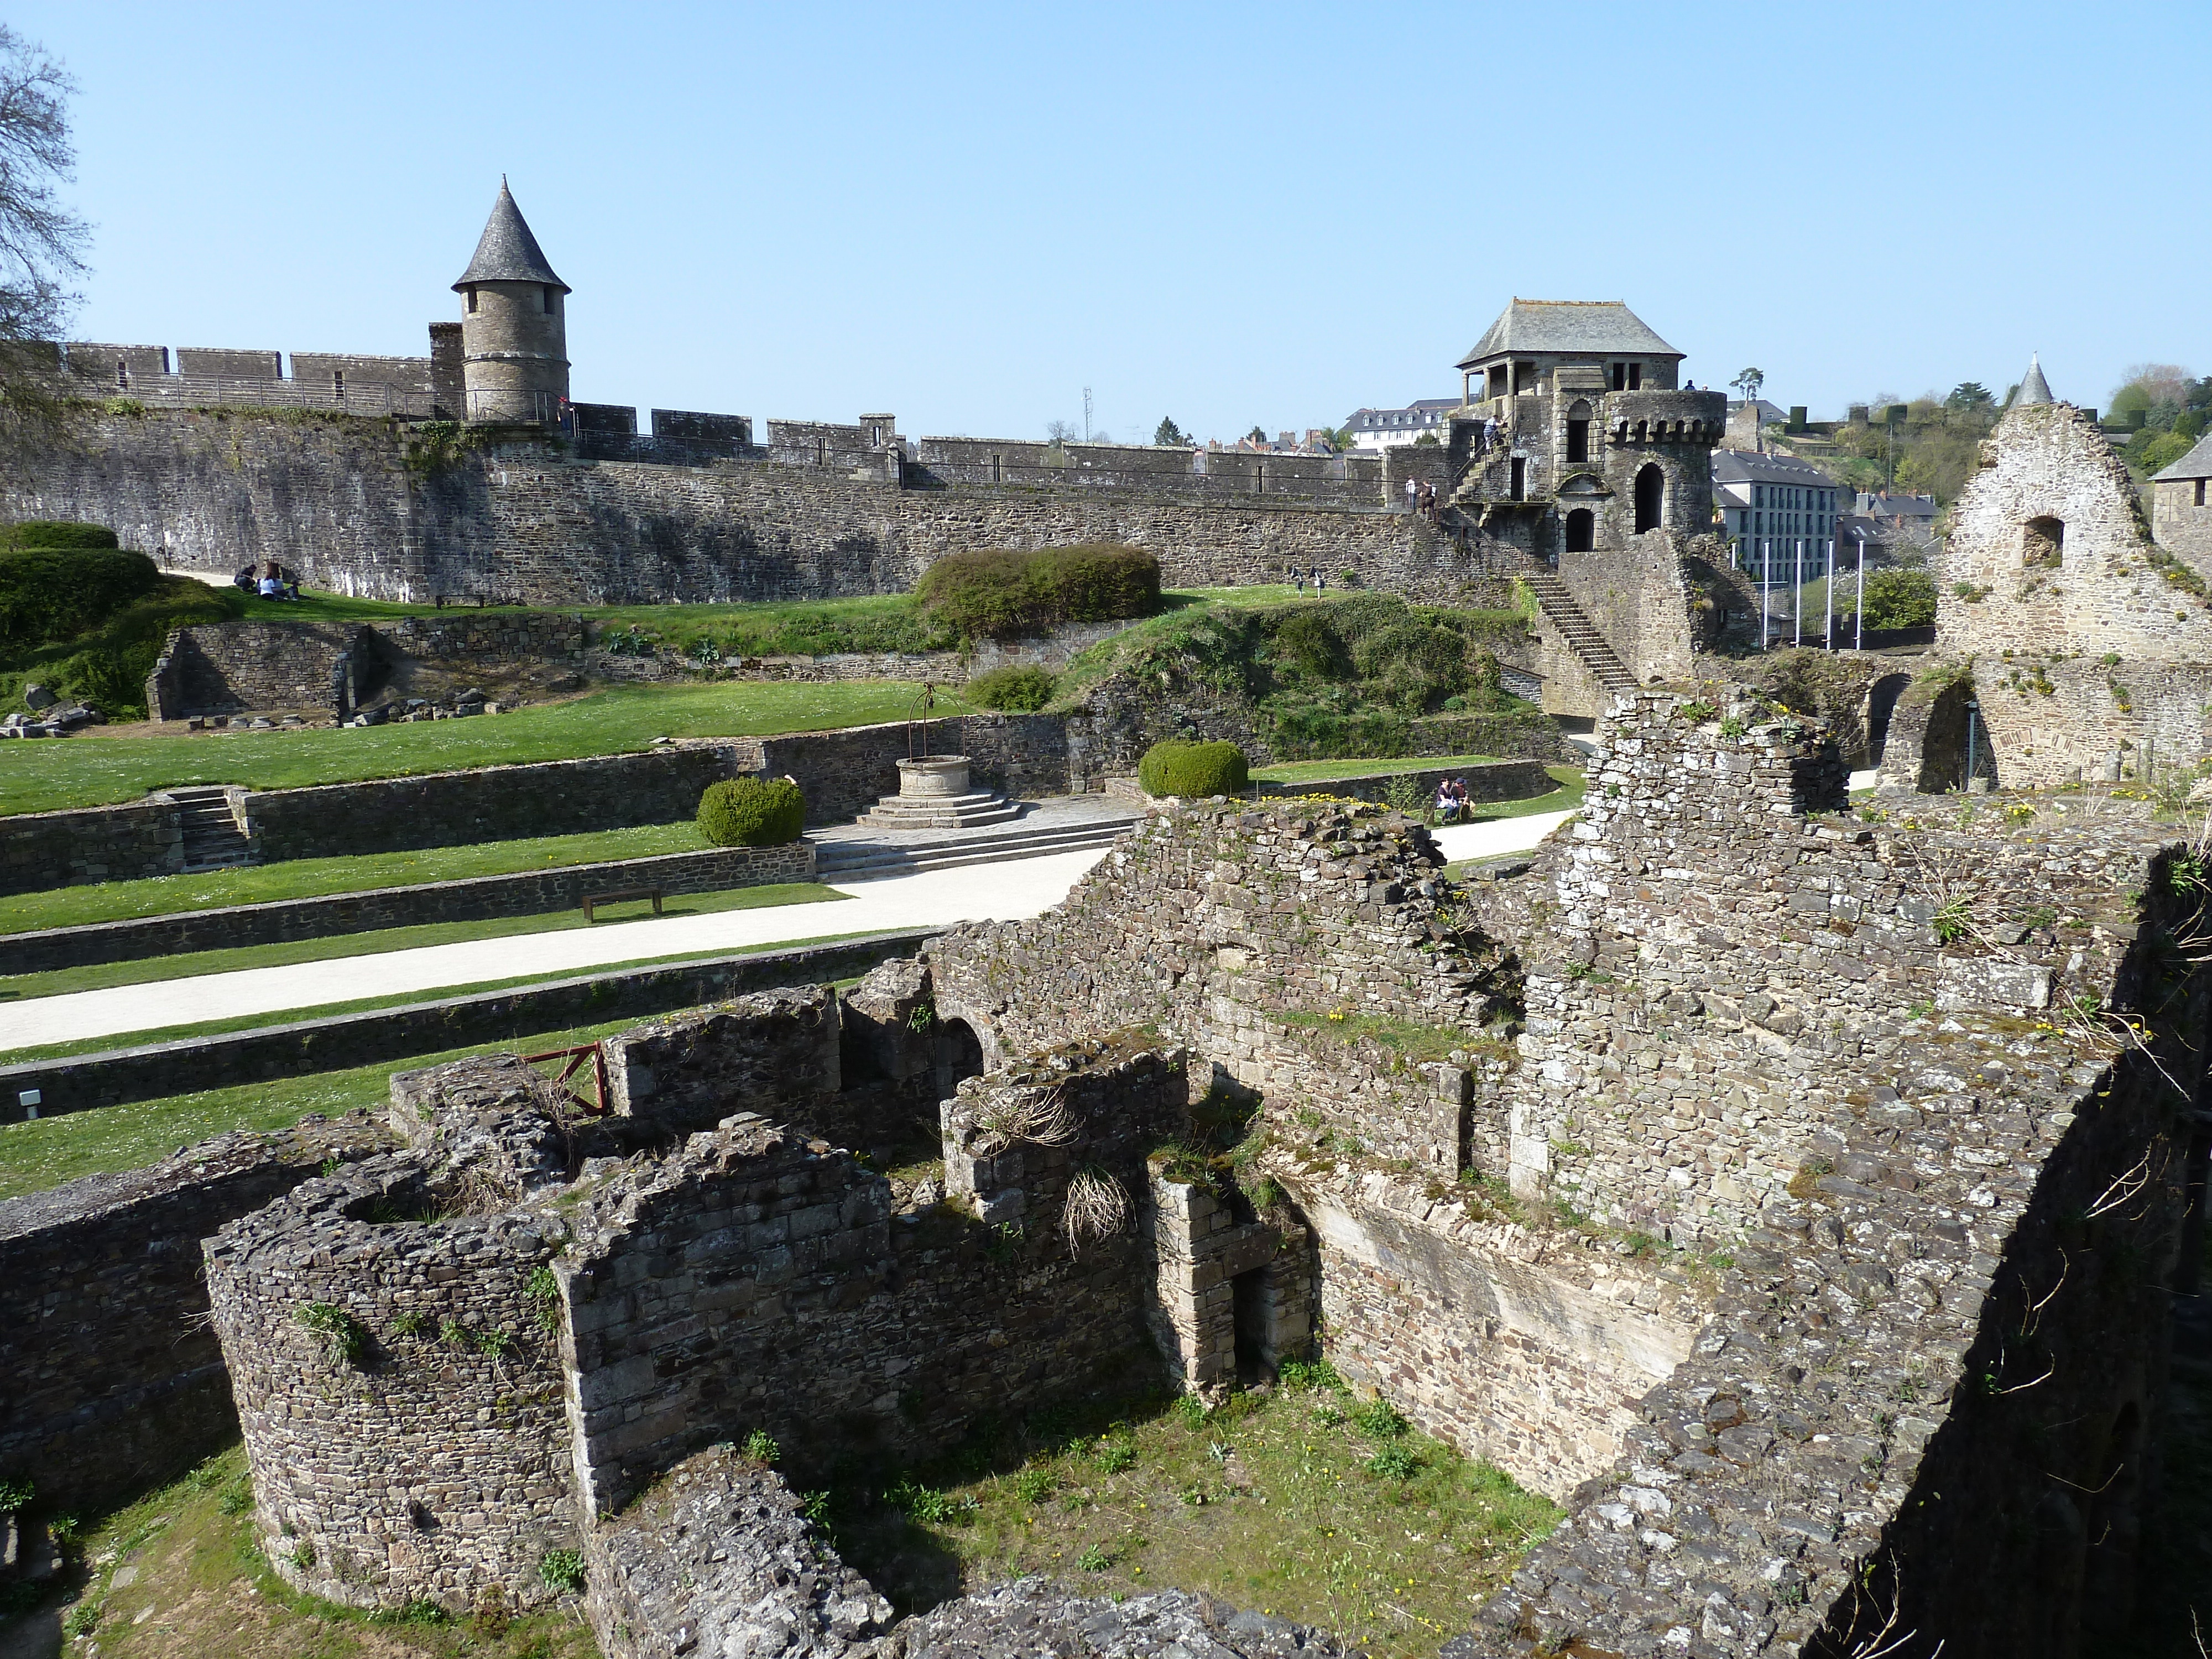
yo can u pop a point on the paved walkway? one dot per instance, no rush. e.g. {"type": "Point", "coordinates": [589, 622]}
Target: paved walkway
{"type": "Point", "coordinates": [934, 898]}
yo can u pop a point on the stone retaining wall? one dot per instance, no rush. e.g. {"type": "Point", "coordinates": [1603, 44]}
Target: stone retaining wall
{"type": "Point", "coordinates": [338, 1041]}
{"type": "Point", "coordinates": [842, 774]}
{"type": "Point", "coordinates": [110, 1378]}
{"type": "Point", "coordinates": [38, 850]}
{"type": "Point", "coordinates": [530, 892]}
{"type": "Point", "coordinates": [494, 803]}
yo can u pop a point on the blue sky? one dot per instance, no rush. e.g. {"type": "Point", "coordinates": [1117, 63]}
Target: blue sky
{"type": "Point", "coordinates": [1230, 215]}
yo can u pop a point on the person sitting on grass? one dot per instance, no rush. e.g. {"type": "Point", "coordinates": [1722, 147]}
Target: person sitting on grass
{"type": "Point", "coordinates": [270, 588]}
{"type": "Point", "coordinates": [1447, 808]}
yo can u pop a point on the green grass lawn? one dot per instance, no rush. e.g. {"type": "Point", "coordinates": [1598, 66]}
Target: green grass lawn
{"type": "Point", "coordinates": [62, 981]}
{"type": "Point", "coordinates": [197, 1584]}
{"type": "Point", "coordinates": [44, 777]}
{"type": "Point", "coordinates": [262, 884]}
{"type": "Point", "coordinates": [1307, 1502]}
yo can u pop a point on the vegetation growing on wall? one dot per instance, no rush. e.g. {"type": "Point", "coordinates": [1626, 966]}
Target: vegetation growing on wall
{"type": "Point", "coordinates": [1325, 678]}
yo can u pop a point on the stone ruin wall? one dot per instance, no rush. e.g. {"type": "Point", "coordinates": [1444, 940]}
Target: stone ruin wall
{"type": "Point", "coordinates": [109, 1374]}
{"type": "Point", "coordinates": [1726, 1044]}
{"type": "Point", "coordinates": [2093, 662]}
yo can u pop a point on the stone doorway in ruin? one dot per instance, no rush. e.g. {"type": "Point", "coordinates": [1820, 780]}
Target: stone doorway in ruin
{"type": "Point", "coordinates": [959, 1056]}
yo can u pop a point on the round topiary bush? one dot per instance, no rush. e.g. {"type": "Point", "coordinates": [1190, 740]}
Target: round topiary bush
{"type": "Point", "coordinates": [752, 813]}
{"type": "Point", "coordinates": [1194, 770]}
{"type": "Point", "coordinates": [1021, 690]}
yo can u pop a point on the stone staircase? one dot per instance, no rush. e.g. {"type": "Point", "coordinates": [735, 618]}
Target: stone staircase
{"type": "Point", "coordinates": [1575, 626]}
{"type": "Point", "coordinates": [213, 839]}
{"type": "Point", "coordinates": [844, 858]}
{"type": "Point", "coordinates": [940, 811]}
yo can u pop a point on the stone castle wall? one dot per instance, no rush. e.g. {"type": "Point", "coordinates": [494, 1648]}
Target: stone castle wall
{"type": "Point", "coordinates": [359, 507]}
{"type": "Point", "coordinates": [110, 1378]}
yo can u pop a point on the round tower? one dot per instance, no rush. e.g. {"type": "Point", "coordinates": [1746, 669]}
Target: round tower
{"type": "Point", "coordinates": [514, 323]}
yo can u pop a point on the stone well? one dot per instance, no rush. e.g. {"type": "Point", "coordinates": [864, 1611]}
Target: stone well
{"type": "Point", "coordinates": [932, 777]}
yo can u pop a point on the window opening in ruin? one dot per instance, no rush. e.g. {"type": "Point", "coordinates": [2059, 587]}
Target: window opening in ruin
{"type": "Point", "coordinates": [1578, 423]}
{"type": "Point", "coordinates": [2200, 492]}
{"type": "Point", "coordinates": [1636, 377]}
{"type": "Point", "coordinates": [1250, 1291]}
{"type": "Point", "coordinates": [2043, 541]}
{"type": "Point", "coordinates": [549, 300]}
{"type": "Point", "coordinates": [1520, 477]}
{"type": "Point", "coordinates": [1620, 377]}
{"type": "Point", "coordinates": [1498, 380]}
{"type": "Point", "coordinates": [1582, 529]}
{"type": "Point", "coordinates": [959, 1056]}
{"type": "Point", "coordinates": [473, 300]}
{"type": "Point", "coordinates": [122, 372]}
{"type": "Point", "coordinates": [338, 383]}
{"type": "Point", "coordinates": [1651, 498]}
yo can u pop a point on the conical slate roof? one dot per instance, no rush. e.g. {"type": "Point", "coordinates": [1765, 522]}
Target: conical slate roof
{"type": "Point", "coordinates": [2034, 389]}
{"type": "Point", "coordinates": [507, 252]}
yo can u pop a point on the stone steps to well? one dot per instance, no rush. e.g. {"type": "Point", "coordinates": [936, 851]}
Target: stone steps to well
{"type": "Point", "coordinates": [860, 860]}
{"type": "Point", "coordinates": [939, 811]}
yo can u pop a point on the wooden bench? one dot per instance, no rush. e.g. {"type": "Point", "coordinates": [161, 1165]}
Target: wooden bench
{"type": "Point", "coordinates": [622, 896]}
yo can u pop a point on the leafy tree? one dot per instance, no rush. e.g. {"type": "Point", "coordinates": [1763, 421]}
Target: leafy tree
{"type": "Point", "coordinates": [41, 243]}
{"type": "Point", "coordinates": [1168, 434]}
{"type": "Point", "coordinates": [1748, 383]}
{"type": "Point", "coordinates": [1257, 435]}
{"type": "Point", "coordinates": [1969, 394]}
{"type": "Point", "coordinates": [2152, 451]}
{"type": "Point", "coordinates": [1897, 598]}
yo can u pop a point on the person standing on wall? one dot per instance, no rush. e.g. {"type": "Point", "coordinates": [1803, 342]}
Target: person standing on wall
{"type": "Point", "coordinates": [1412, 496]}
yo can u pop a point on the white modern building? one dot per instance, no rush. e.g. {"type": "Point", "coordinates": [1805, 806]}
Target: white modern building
{"type": "Point", "coordinates": [1377, 429]}
{"type": "Point", "coordinates": [1777, 512]}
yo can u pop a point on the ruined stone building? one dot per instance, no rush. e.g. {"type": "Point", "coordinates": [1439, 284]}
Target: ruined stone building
{"type": "Point", "coordinates": [2073, 646]}
{"type": "Point", "coordinates": [1800, 1207]}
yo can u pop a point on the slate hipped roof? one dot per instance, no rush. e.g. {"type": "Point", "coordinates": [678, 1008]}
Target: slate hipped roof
{"type": "Point", "coordinates": [2034, 389]}
{"type": "Point", "coordinates": [1734, 466]}
{"type": "Point", "coordinates": [2197, 464]}
{"type": "Point", "coordinates": [1597, 327]}
{"type": "Point", "coordinates": [507, 252]}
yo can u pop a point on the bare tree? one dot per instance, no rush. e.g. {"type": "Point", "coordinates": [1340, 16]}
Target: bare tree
{"type": "Point", "coordinates": [41, 243]}
{"type": "Point", "coordinates": [1061, 432]}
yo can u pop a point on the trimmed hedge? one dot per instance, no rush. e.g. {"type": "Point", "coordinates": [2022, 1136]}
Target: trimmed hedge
{"type": "Point", "coordinates": [1021, 690]}
{"type": "Point", "coordinates": [752, 813]}
{"type": "Point", "coordinates": [1194, 770]}
{"type": "Point", "coordinates": [49, 595]}
{"type": "Point", "coordinates": [996, 592]}
{"type": "Point", "coordinates": [56, 533]}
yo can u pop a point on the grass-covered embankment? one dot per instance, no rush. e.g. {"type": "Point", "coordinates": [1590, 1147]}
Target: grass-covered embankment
{"type": "Point", "coordinates": [96, 771]}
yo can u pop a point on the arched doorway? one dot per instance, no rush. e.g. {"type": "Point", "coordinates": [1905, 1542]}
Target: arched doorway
{"type": "Point", "coordinates": [1582, 529]}
{"type": "Point", "coordinates": [959, 1056]}
{"type": "Point", "coordinates": [1650, 497]}
{"type": "Point", "coordinates": [1578, 425]}
{"type": "Point", "coordinates": [1881, 702]}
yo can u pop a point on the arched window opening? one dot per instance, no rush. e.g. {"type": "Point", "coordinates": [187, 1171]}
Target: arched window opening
{"type": "Point", "coordinates": [959, 1056]}
{"type": "Point", "coordinates": [1579, 420]}
{"type": "Point", "coordinates": [1582, 530]}
{"type": "Point", "coordinates": [1651, 498]}
{"type": "Point", "coordinates": [2043, 542]}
